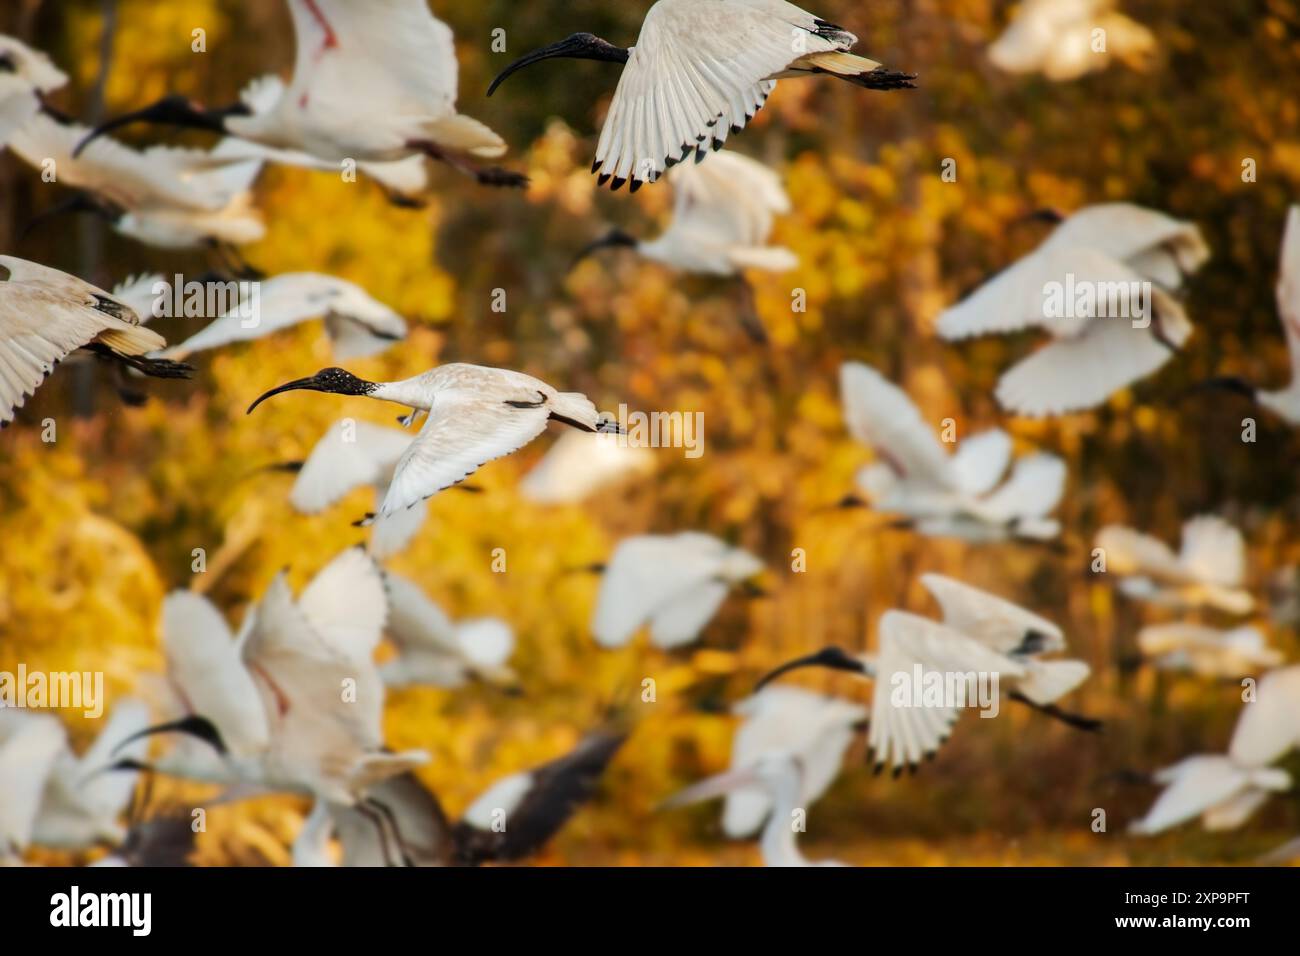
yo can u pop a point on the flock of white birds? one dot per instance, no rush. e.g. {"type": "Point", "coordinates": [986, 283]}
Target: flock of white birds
{"type": "Point", "coordinates": [258, 710]}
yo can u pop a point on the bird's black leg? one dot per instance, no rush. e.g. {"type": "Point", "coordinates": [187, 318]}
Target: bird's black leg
{"type": "Point", "coordinates": [1077, 721]}
{"type": "Point", "coordinates": [364, 809]}
{"type": "Point", "coordinates": [387, 814]}
{"type": "Point", "coordinates": [484, 175]}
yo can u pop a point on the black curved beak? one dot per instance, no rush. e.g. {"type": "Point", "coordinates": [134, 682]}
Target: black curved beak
{"type": "Point", "coordinates": [615, 238]}
{"type": "Point", "coordinates": [580, 46]}
{"type": "Point", "coordinates": [830, 657]}
{"type": "Point", "coordinates": [169, 111]}
{"type": "Point", "coordinates": [194, 726]}
{"type": "Point", "coordinates": [309, 384]}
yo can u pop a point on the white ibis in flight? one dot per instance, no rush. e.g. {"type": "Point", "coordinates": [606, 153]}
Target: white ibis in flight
{"type": "Point", "coordinates": [941, 494]}
{"type": "Point", "coordinates": [373, 82]}
{"type": "Point", "coordinates": [673, 583]}
{"type": "Point", "coordinates": [1283, 402]}
{"type": "Point", "coordinates": [1218, 653]}
{"type": "Point", "coordinates": [814, 728]}
{"type": "Point", "coordinates": [723, 215]}
{"type": "Point", "coordinates": [165, 197]}
{"type": "Point", "coordinates": [981, 634]}
{"type": "Point", "coordinates": [1057, 38]}
{"type": "Point", "coordinates": [699, 72]}
{"type": "Point", "coordinates": [294, 704]}
{"type": "Point", "coordinates": [475, 415]}
{"type": "Point", "coordinates": [435, 651]}
{"type": "Point", "coordinates": [510, 821]}
{"type": "Point", "coordinates": [52, 798]}
{"type": "Point", "coordinates": [358, 324]}
{"type": "Point", "coordinates": [26, 76]}
{"type": "Point", "coordinates": [1207, 571]}
{"type": "Point", "coordinates": [1102, 285]}
{"type": "Point", "coordinates": [580, 464]}
{"type": "Point", "coordinates": [779, 776]}
{"type": "Point", "coordinates": [46, 314]}
{"type": "Point", "coordinates": [1226, 790]}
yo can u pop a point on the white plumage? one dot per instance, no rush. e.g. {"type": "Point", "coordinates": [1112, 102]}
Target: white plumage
{"type": "Point", "coordinates": [579, 465]}
{"type": "Point", "coordinates": [1112, 256]}
{"type": "Point", "coordinates": [475, 415]}
{"type": "Point", "coordinates": [46, 314]}
{"type": "Point", "coordinates": [673, 583]}
{"type": "Point", "coordinates": [163, 196]}
{"type": "Point", "coordinates": [814, 728]}
{"type": "Point", "coordinates": [373, 83]}
{"type": "Point", "coordinates": [358, 325]}
{"type": "Point", "coordinates": [435, 651]}
{"type": "Point", "coordinates": [354, 454]}
{"type": "Point", "coordinates": [1208, 569]}
{"type": "Point", "coordinates": [26, 75]}
{"type": "Point", "coordinates": [1058, 38]}
{"type": "Point", "coordinates": [960, 494]}
{"type": "Point", "coordinates": [1225, 791]}
{"type": "Point", "coordinates": [699, 72]}
{"type": "Point", "coordinates": [723, 215]}
{"type": "Point", "coordinates": [279, 696]}
{"type": "Point", "coordinates": [1208, 651]}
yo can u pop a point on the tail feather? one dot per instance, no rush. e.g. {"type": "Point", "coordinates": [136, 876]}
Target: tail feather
{"type": "Point", "coordinates": [855, 69]}
{"type": "Point", "coordinates": [1049, 681]}
{"type": "Point", "coordinates": [576, 410]}
{"type": "Point", "coordinates": [465, 134]}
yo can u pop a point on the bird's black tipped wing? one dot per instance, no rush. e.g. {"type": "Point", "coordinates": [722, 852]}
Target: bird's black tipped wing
{"type": "Point", "coordinates": [556, 791]}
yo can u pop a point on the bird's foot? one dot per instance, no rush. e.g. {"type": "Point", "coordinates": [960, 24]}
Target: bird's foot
{"type": "Point", "coordinates": [504, 178]}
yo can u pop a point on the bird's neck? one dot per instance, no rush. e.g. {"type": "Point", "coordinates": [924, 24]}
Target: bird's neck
{"type": "Point", "coordinates": [409, 392]}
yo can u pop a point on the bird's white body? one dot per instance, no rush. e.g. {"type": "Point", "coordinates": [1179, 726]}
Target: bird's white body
{"type": "Point", "coordinates": [1059, 39]}
{"type": "Point", "coordinates": [779, 776]}
{"type": "Point", "coordinates": [1111, 271]}
{"type": "Point", "coordinates": [358, 325]}
{"type": "Point", "coordinates": [30, 75]}
{"type": "Point", "coordinates": [673, 583]}
{"type": "Point", "coordinates": [370, 80]}
{"type": "Point", "coordinates": [701, 69]}
{"type": "Point", "coordinates": [723, 215]}
{"type": "Point", "coordinates": [1208, 569]}
{"type": "Point", "coordinates": [278, 695]}
{"type": "Point", "coordinates": [435, 651]}
{"type": "Point", "coordinates": [52, 798]}
{"type": "Point", "coordinates": [1226, 790]}
{"type": "Point", "coordinates": [165, 197]}
{"type": "Point", "coordinates": [579, 465]}
{"type": "Point", "coordinates": [961, 494]}
{"type": "Point", "coordinates": [1208, 651]}
{"type": "Point", "coordinates": [981, 637]}
{"type": "Point", "coordinates": [45, 315]}
{"type": "Point", "coordinates": [812, 727]}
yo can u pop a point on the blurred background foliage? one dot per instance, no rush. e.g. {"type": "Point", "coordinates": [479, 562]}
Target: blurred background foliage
{"type": "Point", "coordinates": [97, 526]}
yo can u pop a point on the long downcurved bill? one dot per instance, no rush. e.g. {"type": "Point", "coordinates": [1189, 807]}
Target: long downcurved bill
{"type": "Point", "coordinates": [308, 384]}
{"type": "Point", "coordinates": [820, 659]}
{"type": "Point", "coordinates": [194, 725]}
{"type": "Point", "coordinates": [564, 48]}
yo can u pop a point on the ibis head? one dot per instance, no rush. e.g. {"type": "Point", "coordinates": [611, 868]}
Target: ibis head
{"type": "Point", "coordinates": [334, 380]}
{"type": "Point", "coordinates": [615, 238]}
{"type": "Point", "coordinates": [832, 657]}
{"type": "Point", "coordinates": [580, 46]}
{"type": "Point", "coordinates": [170, 111]}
